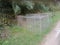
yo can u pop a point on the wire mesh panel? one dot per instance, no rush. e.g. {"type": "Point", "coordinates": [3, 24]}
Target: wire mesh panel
{"type": "Point", "coordinates": [38, 23]}
{"type": "Point", "coordinates": [35, 22]}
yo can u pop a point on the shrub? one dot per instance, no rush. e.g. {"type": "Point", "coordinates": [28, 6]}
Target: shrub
{"type": "Point", "coordinates": [40, 7]}
{"type": "Point", "coordinates": [23, 7]}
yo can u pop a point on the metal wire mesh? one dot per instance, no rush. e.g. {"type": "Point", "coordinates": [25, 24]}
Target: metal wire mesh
{"type": "Point", "coordinates": [35, 22]}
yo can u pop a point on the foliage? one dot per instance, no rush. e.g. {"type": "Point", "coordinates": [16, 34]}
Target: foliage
{"type": "Point", "coordinates": [23, 7]}
{"type": "Point", "coordinates": [40, 7]}
{"type": "Point", "coordinates": [16, 8]}
{"type": "Point", "coordinates": [29, 7]}
{"type": "Point", "coordinates": [1, 27]}
{"type": "Point", "coordinates": [5, 7]}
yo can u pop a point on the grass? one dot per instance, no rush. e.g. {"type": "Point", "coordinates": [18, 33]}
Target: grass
{"type": "Point", "coordinates": [53, 20]}
{"type": "Point", "coordinates": [20, 36]}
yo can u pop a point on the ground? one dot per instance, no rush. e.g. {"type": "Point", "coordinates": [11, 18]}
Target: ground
{"type": "Point", "coordinates": [21, 36]}
{"type": "Point", "coordinates": [53, 37]}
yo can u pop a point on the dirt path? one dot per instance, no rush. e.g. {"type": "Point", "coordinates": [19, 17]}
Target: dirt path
{"type": "Point", "coordinates": [53, 37]}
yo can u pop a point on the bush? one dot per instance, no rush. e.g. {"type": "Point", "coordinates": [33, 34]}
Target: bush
{"type": "Point", "coordinates": [22, 8]}
{"type": "Point", "coordinates": [40, 7]}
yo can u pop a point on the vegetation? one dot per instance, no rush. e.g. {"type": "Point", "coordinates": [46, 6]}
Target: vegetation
{"type": "Point", "coordinates": [11, 8]}
{"type": "Point", "coordinates": [21, 36]}
{"type": "Point", "coordinates": [18, 35]}
{"type": "Point", "coordinates": [24, 7]}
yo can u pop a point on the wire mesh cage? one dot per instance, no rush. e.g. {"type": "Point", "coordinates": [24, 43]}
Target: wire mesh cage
{"type": "Point", "coordinates": [35, 22]}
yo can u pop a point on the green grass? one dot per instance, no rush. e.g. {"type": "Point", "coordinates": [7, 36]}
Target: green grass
{"type": "Point", "coordinates": [20, 36]}
{"type": "Point", "coordinates": [53, 20]}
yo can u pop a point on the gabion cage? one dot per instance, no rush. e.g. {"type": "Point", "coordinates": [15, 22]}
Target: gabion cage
{"type": "Point", "coordinates": [35, 22]}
